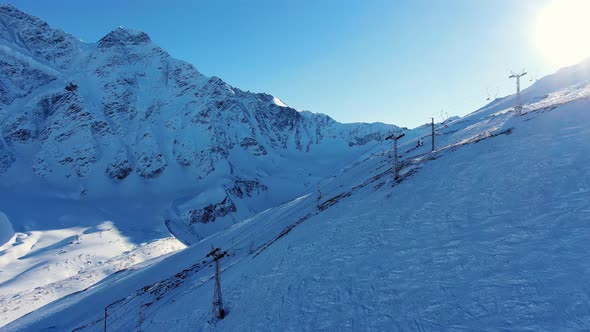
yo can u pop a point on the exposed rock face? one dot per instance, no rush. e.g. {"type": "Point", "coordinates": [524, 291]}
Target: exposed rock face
{"type": "Point", "coordinates": [212, 212]}
{"type": "Point", "coordinates": [18, 79]}
{"type": "Point", "coordinates": [250, 144]}
{"type": "Point", "coordinates": [6, 160]}
{"type": "Point", "coordinates": [123, 111]}
{"type": "Point", "coordinates": [242, 189]}
{"type": "Point", "coordinates": [122, 37]}
{"type": "Point", "coordinates": [119, 169]}
{"type": "Point", "coordinates": [37, 38]}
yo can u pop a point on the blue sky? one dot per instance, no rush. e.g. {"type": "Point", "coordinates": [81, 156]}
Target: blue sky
{"type": "Point", "coordinates": [376, 60]}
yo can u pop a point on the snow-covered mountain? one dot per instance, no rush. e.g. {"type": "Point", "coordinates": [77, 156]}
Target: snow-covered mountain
{"type": "Point", "coordinates": [486, 232]}
{"type": "Point", "coordinates": [121, 117]}
{"type": "Point", "coordinates": [107, 147]}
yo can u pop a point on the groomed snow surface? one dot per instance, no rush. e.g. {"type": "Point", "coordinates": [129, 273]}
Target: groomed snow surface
{"type": "Point", "coordinates": [488, 232]}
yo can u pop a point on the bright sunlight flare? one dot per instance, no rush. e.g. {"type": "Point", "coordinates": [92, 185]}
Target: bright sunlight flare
{"type": "Point", "coordinates": [561, 32]}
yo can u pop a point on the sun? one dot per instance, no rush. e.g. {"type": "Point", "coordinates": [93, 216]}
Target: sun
{"type": "Point", "coordinates": [561, 32]}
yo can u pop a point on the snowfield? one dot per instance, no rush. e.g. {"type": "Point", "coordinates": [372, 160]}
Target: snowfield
{"type": "Point", "coordinates": [39, 267]}
{"type": "Point", "coordinates": [487, 232]}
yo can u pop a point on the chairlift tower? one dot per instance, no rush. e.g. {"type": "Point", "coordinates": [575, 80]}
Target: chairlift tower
{"type": "Point", "coordinates": [218, 310]}
{"type": "Point", "coordinates": [518, 105]}
{"type": "Point", "coordinates": [319, 197]}
{"type": "Point", "coordinates": [395, 166]}
{"type": "Point", "coordinates": [432, 132]}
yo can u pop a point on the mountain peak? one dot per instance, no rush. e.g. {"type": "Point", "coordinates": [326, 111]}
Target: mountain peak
{"type": "Point", "coordinates": [18, 15]}
{"type": "Point", "coordinates": [8, 8]}
{"type": "Point", "coordinates": [124, 36]}
{"type": "Point", "coordinates": [33, 36]}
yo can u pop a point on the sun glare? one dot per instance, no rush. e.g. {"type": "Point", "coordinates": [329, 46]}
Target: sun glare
{"type": "Point", "coordinates": [561, 32]}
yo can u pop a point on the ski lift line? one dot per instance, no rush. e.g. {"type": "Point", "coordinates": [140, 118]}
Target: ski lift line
{"type": "Point", "coordinates": [292, 212]}
{"type": "Point", "coordinates": [188, 291]}
{"type": "Point", "coordinates": [461, 102]}
{"type": "Point", "coordinates": [116, 305]}
{"type": "Point", "coordinates": [444, 109]}
{"type": "Point", "coordinates": [264, 222]}
{"type": "Point", "coordinates": [455, 106]}
{"type": "Point", "coordinates": [307, 202]}
{"type": "Point", "coordinates": [287, 213]}
{"type": "Point", "coordinates": [148, 319]}
{"type": "Point", "coordinates": [242, 237]}
{"type": "Point", "coordinates": [490, 95]}
{"type": "Point", "coordinates": [120, 326]}
{"type": "Point", "coordinates": [275, 216]}
{"type": "Point", "coordinates": [309, 194]}
{"type": "Point", "coordinates": [344, 169]}
{"type": "Point", "coordinates": [115, 320]}
{"type": "Point", "coordinates": [131, 323]}
{"type": "Point", "coordinates": [123, 302]}
{"type": "Point", "coordinates": [135, 318]}
{"type": "Point", "coordinates": [119, 304]}
{"type": "Point", "coordinates": [415, 140]}
{"type": "Point", "coordinates": [280, 214]}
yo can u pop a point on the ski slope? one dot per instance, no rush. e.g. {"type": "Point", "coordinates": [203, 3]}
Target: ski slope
{"type": "Point", "coordinates": [486, 232]}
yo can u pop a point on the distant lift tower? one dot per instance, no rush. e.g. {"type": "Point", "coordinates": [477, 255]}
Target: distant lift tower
{"type": "Point", "coordinates": [218, 310]}
{"type": "Point", "coordinates": [395, 138]}
{"type": "Point", "coordinates": [518, 105]}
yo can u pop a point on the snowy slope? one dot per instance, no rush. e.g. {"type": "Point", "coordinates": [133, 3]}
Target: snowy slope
{"type": "Point", "coordinates": [488, 232]}
{"type": "Point", "coordinates": [39, 267]}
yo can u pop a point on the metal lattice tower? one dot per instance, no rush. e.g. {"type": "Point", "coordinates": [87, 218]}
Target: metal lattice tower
{"type": "Point", "coordinates": [432, 132]}
{"type": "Point", "coordinates": [218, 312]}
{"type": "Point", "coordinates": [518, 105]}
{"type": "Point", "coordinates": [395, 166]}
{"type": "Point", "coordinates": [319, 198]}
